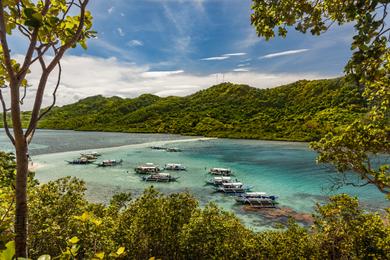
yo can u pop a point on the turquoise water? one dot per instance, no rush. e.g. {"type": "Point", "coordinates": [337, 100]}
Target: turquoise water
{"type": "Point", "coordinates": [285, 169]}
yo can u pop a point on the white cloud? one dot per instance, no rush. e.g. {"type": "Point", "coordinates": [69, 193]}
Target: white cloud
{"type": "Point", "coordinates": [110, 10]}
{"type": "Point", "coordinates": [225, 56]}
{"type": "Point", "coordinates": [283, 53]}
{"type": "Point", "coordinates": [120, 31]}
{"type": "Point", "coordinates": [135, 43]}
{"type": "Point", "coordinates": [159, 74]}
{"type": "Point", "coordinates": [241, 70]}
{"type": "Point", "coordinates": [216, 58]}
{"type": "Point", "coordinates": [235, 54]}
{"type": "Point", "coordinates": [86, 76]}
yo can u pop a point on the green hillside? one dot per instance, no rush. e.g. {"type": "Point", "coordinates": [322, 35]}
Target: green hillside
{"type": "Point", "coordinates": [300, 111]}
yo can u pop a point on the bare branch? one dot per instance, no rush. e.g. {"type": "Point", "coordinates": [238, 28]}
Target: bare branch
{"type": "Point", "coordinates": [382, 30]}
{"type": "Point", "coordinates": [41, 61]}
{"type": "Point", "coordinates": [8, 210]}
{"type": "Point", "coordinates": [70, 4]}
{"type": "Point", "coordinates": [54, 93]}
{"type": "Point", "coordinates": [24, 31]}
{"type": "Point", "coordinates": [41, 52]}
{"type": "Point", "coordinates": [24, 95]}
{"type": "Point", "coordinates": [5, 123]}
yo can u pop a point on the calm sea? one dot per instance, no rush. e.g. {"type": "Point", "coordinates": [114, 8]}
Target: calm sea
{"type": "Point", "coordinates": [285, 169]}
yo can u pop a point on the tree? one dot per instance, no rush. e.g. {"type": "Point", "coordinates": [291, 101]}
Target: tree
{"type": "Point", "coordinates": [345, 231]}
{"type": "Point", "coordinates": [50, 30]}
{"type": "Point", "coordinates": [362, 145]}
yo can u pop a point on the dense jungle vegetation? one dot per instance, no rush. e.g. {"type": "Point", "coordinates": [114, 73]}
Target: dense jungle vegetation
{"type": "Point", "coordinates": [301, 111]}
{"type": "Point", "coordinates": [63, 223]}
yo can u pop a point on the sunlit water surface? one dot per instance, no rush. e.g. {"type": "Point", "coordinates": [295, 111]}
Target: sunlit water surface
{"type": "Point", "coordinates": [285, 169]}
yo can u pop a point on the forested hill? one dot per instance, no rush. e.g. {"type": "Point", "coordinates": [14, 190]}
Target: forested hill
{"type": "Point", "coordinates": [299, 111]}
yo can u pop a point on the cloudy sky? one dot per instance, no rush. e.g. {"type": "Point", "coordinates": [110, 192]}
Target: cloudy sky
{"type": "Point", "coordinates": [176, 47]}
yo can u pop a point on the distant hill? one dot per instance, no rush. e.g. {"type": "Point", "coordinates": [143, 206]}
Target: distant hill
{"type": "Point", "coordinates": [301, 111]}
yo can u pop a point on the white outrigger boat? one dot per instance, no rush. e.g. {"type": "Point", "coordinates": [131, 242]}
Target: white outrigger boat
{"type": "Point", "coordinates": [106, 163]}
{"type": "Point", "coordinates": [147, 168]}
{"type": "Point", "coordinates": [221, 171]}
{"type": "Point", "coordinates": [160, 177]}
{"type": "Point", "coordinates": [81, 160]}
{"type": "Point", "coordinates": [233, 187]}
{"type": "Point", "coordinates": [216, 181]}
{"type": "Point", "coordinates": [174, 167]}
{"type": "Point", "coordinates": [257, 199]}
{"type": "Point", "coordinates": [90, 154]}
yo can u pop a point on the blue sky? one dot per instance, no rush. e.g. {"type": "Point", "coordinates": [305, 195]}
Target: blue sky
{"type": "Point", "coordinates": [177, 47]}
{"type": "Point", "coordinates": [177, 35]}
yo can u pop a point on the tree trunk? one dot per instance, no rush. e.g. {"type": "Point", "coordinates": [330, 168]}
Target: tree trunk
{"type": "Point", "coordinates": [21, 198]}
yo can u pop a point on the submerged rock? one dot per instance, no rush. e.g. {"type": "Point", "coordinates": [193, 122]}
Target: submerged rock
{"type": "Point", "coordinates": [282, 214]}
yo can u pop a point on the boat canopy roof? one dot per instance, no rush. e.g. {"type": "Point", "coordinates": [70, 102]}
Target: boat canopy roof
{"type": "Point", "coordinates": [232, 184]}
{"type": "Point", "coordinates": [173, 164]}
{"type": "Point", "coordinates": [220, 169]}
{"type": "Point", "coordinates": [146, 167]}
{"type": "Point", "coordinates": [223, 178]}
{"type": "Point", "coordinates": [164, 174]}
{"type": "Point", "coordinates": [255, 193]}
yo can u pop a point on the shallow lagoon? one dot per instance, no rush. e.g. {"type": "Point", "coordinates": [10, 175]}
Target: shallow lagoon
{"type": "Point", "coordinates": [285, 169]}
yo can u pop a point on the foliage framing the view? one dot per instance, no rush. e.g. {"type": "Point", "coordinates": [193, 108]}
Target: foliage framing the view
{"type": "Point", "coordinates": [49, 29]}
{"type": "Point", "coordinates": [64, 224]}
{"type": "Point", "coordinates": [356, 146]}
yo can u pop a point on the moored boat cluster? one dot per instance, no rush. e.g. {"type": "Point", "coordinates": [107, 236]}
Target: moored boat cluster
{"type": "Point", "coordinates": [154, 172]}
{"type": "Point", "coordinates": [91, 157]}
{"type": "Point", "coordinates": [222, 178]}
{"type": "Point", "coordinates": [223, 182]}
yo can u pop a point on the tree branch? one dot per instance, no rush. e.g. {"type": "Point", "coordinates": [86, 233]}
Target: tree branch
{"type": "Point", "coordinates": [41, 52]}
{"type": "Point", "coordinates": [42, 83]}
{"type": "Point", "coordinates": [24, 31]}
{"type": "Point", "coordinates": [5, 123]}
{"type": "Point", "coordinates": [24, 95]}
{"type": "Point", "coordinates": [41, 60]}
{"type": "Point", "coordinates": [8, 210]}
{"type": "Point", "coordinates": [4, 44]}
{"type": "Point", "coordinates": [54, 93]}
{"type": "Point", "coordinates": [70, 4]}
{"type": "Point", "coordinates": [33, 41]}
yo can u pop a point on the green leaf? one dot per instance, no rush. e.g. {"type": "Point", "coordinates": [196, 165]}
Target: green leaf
{"type": "Point", "coordinates": [74, 240]}
{"type": "Point", "coordinates": [9, 252]}
{"type": "Point", "coordinates": [120, 250]}
{"type": "Point", "coordinates": [28, 12]}
{"type": "Point", "coordinates": [44, 257]}
{"type": "Point", "coordinates": [99, 255]}
{"type": "Point", "coordinates": [83, 44]}
{"type": "Point", "coordinates": [37, 16]}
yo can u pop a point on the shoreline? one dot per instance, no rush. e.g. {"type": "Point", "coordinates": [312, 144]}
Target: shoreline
{"type": "Point", "coordinates": [141, 145]}
{"type": "Point", "coordinates": [33, 166]}
{"type": "Point", "coordinates": [281, 139]}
